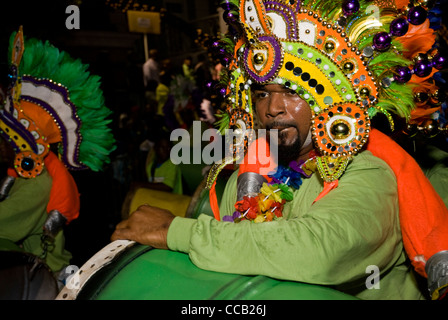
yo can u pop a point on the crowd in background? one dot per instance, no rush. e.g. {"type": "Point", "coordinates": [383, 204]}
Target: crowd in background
{"type": "Point", "coordinates": [172, 96]}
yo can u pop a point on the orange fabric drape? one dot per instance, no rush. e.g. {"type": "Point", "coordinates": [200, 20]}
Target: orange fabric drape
{"type": "Point", "coordinates": [64, 195]}
{"type": "Point", "coordinates": [423, 214]}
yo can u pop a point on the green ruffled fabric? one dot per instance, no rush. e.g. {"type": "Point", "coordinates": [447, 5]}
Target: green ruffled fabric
{"type": "Point", "coordinates": [43, 60]}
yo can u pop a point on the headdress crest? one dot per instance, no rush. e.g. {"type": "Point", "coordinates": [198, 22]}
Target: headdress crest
{"type": "Point", "coordinates": [52, 98]}
{"type": "Point", "coordinates": [349, 59]}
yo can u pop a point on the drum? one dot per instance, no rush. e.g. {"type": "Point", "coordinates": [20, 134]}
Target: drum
{"type": "Point", "coordinates": [23, 276]}
{"type": "Point", "coordinates": [124, 270]}
{"type": "Point", "coordinates": [175, 203]}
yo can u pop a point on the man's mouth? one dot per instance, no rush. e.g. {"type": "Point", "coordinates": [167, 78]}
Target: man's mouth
{"type": "Point", "coordinates": [285, 128]}
{"type": "Point", "coordinates": [280, 127]}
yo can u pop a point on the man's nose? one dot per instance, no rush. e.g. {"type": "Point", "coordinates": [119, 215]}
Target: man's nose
{"type": "Point", "coordinates": [276, 105]}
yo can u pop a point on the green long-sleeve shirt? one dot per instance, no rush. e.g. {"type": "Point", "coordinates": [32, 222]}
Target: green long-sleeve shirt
{"type": "Point", "coordinates": [331, 242]}
{"type": "Point", "coordinates": [23, 214]}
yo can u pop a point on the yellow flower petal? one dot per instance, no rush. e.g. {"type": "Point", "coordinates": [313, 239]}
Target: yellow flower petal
{"type": "Point", "coordinates": [266, 189]}
{"type": "Point", "coordinates": [276, 196]}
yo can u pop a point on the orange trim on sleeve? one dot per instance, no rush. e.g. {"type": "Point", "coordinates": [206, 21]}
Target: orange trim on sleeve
{"type": "Point", "coordinates": [214, 201]}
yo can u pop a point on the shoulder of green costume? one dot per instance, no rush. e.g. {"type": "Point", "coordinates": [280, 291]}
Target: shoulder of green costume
{"type": "Point", "coordinates": [365, 160]}
{"type": "Point", "coordinates": [42, 182]}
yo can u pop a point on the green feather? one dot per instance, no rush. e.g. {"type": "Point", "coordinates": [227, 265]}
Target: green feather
{"type": "Point", "coordinates": [386, 61]}
{"type": "Point", "coordinates": [223, 123]}
{"type": "Point", "coordinates": [236, 3]}
{"type": "Point", "coordinates": [398, 99]}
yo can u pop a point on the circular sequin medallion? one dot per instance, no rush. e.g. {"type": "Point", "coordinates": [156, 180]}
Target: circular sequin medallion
{"type": "Point", "coordinates": [28, 164]}
{"type": "Point", "coordinates": [341, 129]}
{"type": "Point", "coordinates": [264, 60]}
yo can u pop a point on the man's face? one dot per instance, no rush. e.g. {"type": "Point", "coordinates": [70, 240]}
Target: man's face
{"type": "Point", "coordinates": [280, 108]}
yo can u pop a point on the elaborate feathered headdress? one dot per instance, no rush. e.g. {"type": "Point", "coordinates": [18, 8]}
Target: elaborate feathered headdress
{"type": "Point", "coordinates": [349, 59]}
{"type": "Point", "coordinates": [53, 100]}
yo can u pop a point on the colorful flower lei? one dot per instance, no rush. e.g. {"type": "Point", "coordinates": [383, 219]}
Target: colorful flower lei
{"type": "Point", "coordinates": [268, 204]}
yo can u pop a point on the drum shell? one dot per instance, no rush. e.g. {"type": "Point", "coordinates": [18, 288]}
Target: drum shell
{"type": "Point", "coordinates": [144, 273]}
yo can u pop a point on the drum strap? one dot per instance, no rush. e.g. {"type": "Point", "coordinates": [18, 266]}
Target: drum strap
{"type": "Point", "coordinates": [94, 264]}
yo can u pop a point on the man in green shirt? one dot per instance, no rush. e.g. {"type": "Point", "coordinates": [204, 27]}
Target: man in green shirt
{"type": "Point", "coordinates": [331, 242]}
{"type": "Point", "coordinates": [317, 74]}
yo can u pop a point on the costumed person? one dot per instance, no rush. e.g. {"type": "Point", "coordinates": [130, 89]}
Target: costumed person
{"type": "Point", "coordinates": [54, 120]}
{"type": "Point", "coordinates": [341, 198]}
{"type": "Point", "coordinates": [162, 173]}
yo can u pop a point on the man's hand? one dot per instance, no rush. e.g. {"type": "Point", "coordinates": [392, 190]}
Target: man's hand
{"type": "Point", "coordinates": [147, 225]}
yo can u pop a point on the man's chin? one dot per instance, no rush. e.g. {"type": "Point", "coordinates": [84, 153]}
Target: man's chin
{"type": "Point", "coordinates": [288, 152]}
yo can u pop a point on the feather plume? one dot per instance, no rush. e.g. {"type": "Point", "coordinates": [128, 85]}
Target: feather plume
{"type": "Point", "coordinates": [43, 60]}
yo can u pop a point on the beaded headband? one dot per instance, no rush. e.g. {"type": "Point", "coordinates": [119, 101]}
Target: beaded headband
{"type": "Point", "coordinates": [53, 99]}
{"type": "Point", "coordinates": [348, 59]}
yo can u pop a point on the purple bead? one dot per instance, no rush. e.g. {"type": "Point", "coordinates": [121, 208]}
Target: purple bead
{"type": "Point", "coordinates": [225, 61]}
{"type": "Point", "coordinates": [216, 47]}
{"type": "Point", "coordinates": [350, 7]}
{"type": "Point", "coordinates": [417, 15]}
{"type": "Point", "coordinates": [422, 68]}
{"type": "Point", "coordinates": [220, 89]}
{"type": "Point", "coordinates": [438, 61]}
{"type": "Point", "coordinates": [209, 85]}
{"type": "Point", "coordinates": [229, 17]}
{"type": "Point", "coordinates": [402, 74]}
{"type": "Point", "coordinates": [399, 27]}
{"type": "Point", "coordinates": [223, 91]}
{"type": "Point", "coordinates": [382, 41]}
{"type": "Point", "coordinates": [221, 50]}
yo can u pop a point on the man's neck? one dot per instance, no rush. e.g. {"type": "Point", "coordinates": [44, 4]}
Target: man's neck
{"type": "Point", "coordinates": [305, 154]}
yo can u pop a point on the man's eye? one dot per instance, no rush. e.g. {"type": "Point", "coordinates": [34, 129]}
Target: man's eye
{"type": "Point", "coordinates": [292, 92]}
{"type": "Point", "coordinates": [261, 94]}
